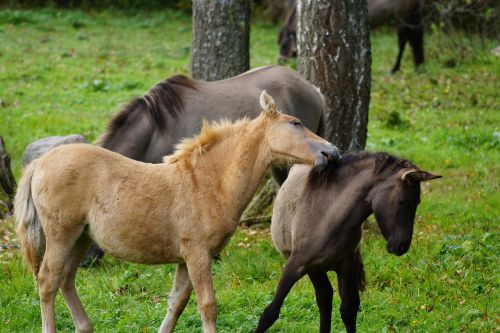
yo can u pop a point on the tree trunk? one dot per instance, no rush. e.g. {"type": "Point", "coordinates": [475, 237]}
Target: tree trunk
{"type": "Point", "coordinates": [221, 34]}
{"type": "Point", "coordinates": [334, 54]}
{"type": "Point", "coordinates": [260, 209]}
{"type": "Point", "coordinates": [7, 180]}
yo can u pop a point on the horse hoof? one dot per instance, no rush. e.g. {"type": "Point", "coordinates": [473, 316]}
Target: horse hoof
{"type": "Point", "coordinates": [91, 262]}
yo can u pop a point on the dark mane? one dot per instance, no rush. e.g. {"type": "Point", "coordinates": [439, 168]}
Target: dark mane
{"type": "Point", "coordinates": [383, 161]}
{"type": "Point", "coordinates": [161, 100]}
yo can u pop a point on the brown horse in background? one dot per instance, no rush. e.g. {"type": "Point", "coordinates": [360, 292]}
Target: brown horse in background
{"type": "Point", "coordinates": [408, 15]}
{"type": "Point", "coordinates": [317, 219]}
{"type": "Point", "coordinates": [182, 211]}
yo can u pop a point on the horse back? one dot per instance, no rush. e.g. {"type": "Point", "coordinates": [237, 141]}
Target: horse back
{"type": "Point", "coordinates": [238, 97]}
{"type": "Point", "coordinates": [124, 205]}
{"type": "Point", "coordinates": [317, 222]}
{"type": "Point", "coordinates": [381, 11]}
{"type": "Point", "coordinates": [76, 178]}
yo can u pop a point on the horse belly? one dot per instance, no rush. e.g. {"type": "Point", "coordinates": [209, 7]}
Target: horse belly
{"type": "Point", "coordinates": [380, 11]}
{"type": "Point", "coordinates": [135, 241]}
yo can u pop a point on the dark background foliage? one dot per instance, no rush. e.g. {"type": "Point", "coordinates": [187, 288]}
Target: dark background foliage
{"type": "Point", "coordinates": [477, 16]}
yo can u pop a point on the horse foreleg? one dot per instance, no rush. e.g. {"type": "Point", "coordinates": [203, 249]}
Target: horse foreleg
{"type": "Point", "coordinates": [403, 34]}
{"type": "Point", "coordinates": [68, 290]}
{"type": "Point", "coordinates": [178, 298]}
{"type": "Point", "coordinates": [350, 278]}
{"type": "Point", "coordinates": [292, 272]}
{"type": "Point", "coordinates": [200, 272]}
{"type": "Point", "coordinates": [324, 297]}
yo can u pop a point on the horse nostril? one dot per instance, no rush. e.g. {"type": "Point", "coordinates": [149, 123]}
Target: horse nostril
{"type": "Point", "coordinates": [335, 154]}
{"type": "Point", "coordinates": [402, 248]}
{"type": "Point", "coordinates": [329, 155]}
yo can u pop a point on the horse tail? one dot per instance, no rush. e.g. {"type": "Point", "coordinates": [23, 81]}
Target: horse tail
{"type": "Point", "coordinates": [29, 228]}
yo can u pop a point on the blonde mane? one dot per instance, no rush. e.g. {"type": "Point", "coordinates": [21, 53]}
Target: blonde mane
{"type": "Point", "coordinates": [191, 149]}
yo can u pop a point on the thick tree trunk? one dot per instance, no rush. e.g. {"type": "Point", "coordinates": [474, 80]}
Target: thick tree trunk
{"type": "Point", "coordinates": [221, 33]}
{"type": "Point", "coordinates": [334, 54]}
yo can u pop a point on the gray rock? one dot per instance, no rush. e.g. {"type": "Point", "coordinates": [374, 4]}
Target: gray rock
{"type": "Point", "coordinates": [39, 147]}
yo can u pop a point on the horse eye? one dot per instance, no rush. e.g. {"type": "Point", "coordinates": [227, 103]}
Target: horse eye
{"type": "Point", "coordinates": [295, 122]}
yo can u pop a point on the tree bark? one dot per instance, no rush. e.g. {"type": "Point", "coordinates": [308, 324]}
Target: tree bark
{"type": "Point", "coordinates": [334, 54]}
{"type": "Point", "coordinates": [7, 180]}
{"type": "Point", "coordinates": [259, 210]}
{"type": "Point", "coordinates": [221, 34]}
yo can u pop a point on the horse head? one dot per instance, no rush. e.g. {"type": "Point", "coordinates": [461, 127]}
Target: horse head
{"type": "Point", "coordinates": [290, 142]}
{"type": "Point", "coordinates": [394, 202]}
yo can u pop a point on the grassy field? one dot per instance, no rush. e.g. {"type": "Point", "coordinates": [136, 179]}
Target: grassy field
{"type": "Point", "coordinates": [65, 72]}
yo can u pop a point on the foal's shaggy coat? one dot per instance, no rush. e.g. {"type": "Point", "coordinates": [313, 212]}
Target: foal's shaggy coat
{"type": "Point", "coordinates": [181, 211]}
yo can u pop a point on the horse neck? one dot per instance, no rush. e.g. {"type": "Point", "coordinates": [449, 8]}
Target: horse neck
{"type": "Point", "coordinates": [357, 181]}
{"type": "Point", "coordinates": [132, 136]}
{"type": "Point", "coordinates": [240, 162]}
{"type": "Point", "coordinates": [248, 165]}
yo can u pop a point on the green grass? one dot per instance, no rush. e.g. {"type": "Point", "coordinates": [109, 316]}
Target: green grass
{"type": "Point", "coordinates": [65, 72]}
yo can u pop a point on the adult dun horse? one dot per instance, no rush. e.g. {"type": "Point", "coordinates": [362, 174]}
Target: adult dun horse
{"type": "Point", "coordinates": [150, 126]}
{"type": "Point", "coordinates": [182, 211]}
{"type": "Point", "coordinates": [317, 221]}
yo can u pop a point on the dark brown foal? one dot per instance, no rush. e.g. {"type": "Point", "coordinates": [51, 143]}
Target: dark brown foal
{"type": "Point", "coordinates": [317, 221]}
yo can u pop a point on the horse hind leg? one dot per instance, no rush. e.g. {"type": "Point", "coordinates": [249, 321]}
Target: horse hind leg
{"type": "Point", "coordinates": [403, 35]}
{"type": "Point", "coordinates": [324, 297]}
{"type": "Point", "coordinates": [57, 252]}
{"type": "Point", "coordinates": [68, 290]}
{"type": "Point", "coordinates": [417, 45]}
{"type": "Point", "coordinates": [178, 298]}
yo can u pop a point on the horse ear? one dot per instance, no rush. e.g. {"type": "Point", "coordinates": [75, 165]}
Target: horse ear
{"type": "Point", "coordinates": [415, 175]}
{"type": "Point", "coordinates": [267, 103]}
{"type": "Point", "coordinates": [426, 175]}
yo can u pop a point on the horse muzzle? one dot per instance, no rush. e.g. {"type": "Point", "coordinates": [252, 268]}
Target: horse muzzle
{"type": "Point", "coordinates": [328, 152]}
{"type": "Point", "coordinates": [398, 248]}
